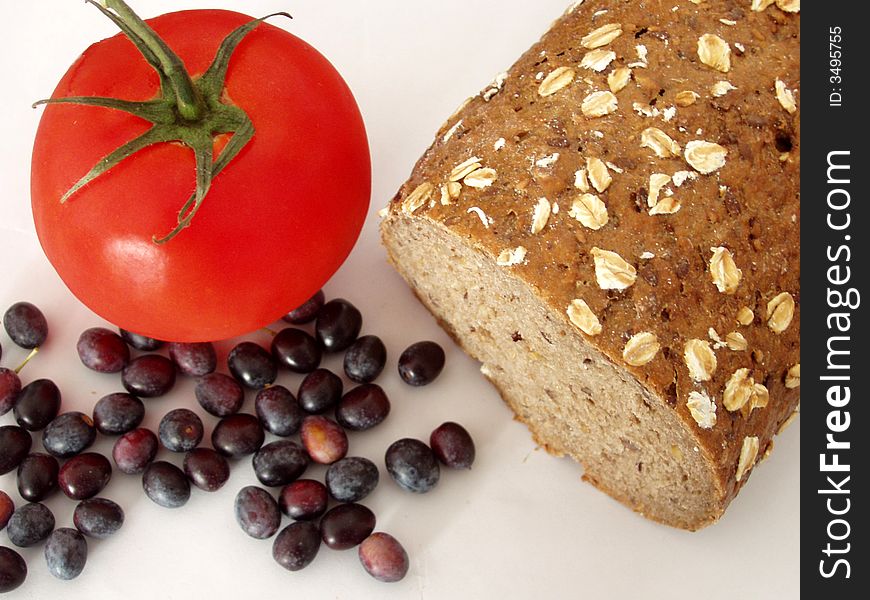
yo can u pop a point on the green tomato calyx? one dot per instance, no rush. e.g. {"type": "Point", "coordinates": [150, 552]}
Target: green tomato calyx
{"type": "Point", "coordinates": [188, 111]}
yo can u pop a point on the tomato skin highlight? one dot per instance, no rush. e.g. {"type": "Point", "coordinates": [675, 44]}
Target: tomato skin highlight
{"type": "Point", "coordinates": [276, 224]}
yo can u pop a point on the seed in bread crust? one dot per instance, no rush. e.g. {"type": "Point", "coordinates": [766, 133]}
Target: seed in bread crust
{"type": "Point", "coordinates": [494, 87]}
{"type": "Point", "coordinates": [509, 258]}
{"type": "Point", "coordinates": [656, 182]}
{"type": "Point", "coordinates": [541, 215]}
{"type": "Point", "coordinates": [611, 270]}
{"type": "Point", "coordinates": [714, 52]}
{"type": "Point", "coordinates": [720, 88]}
{"type": "Point", "coordinates": [464, 168]}
{"type": "Point", "coordinates": [686, 98]}
{"type": "Point", "coordinates": [445, 195]}
{"type": "Point", "coordinates": [780, 312]}
{"type": "Point", "coordinates": [659, 142]}
{"type": "Point", "coordinates": [700, 359]}
{"type": "Point", "coordinates": [590, 211]}
{"type": "Point", "coordinates": [790, 6]}
{"type": "Point", "coordinates": [705, 157]}
{"type": "Point", "coordinates": [417, 198]}
{"type": "Point", "coordinates": [726, 276]}
{"type": "Point", "coordinates": [599, 176]}
{"type": "Point", "coordinates": [598, 104]}
{"type": "Point", "coordinates": [454, 188]}
{"type": "Point", "coordinates": [760, 5]}
{"type": "Point", "coordinates": [641, 62]}
{"type": "Point", "coordinates": [745, 316]}
{"type": "Point", "coordinates": [793, 377]}
{"type": "Point", "coordinates": [598, 60]}
{"type": "Point", "coordinates": [785, 97]}
{"type": "Point", "coordinates": [582, 316]}
{"type": "Point", "coordinates": [640, 349]}
{"type": "Point", "coordinates": [547, 161]}
{"type": "Point", "coordinates": [618, 79]}
{"type": "Point", "coordinates": [681, 177]}
{"type": "Point", "coordinates": [480, 214]}
{"type": "Point", "coordinates": [702, 409]}
{"type": "Point", "coordinates": [559, 78]}
{"type": "Point", "coordinates": [738, 390]}
{"type": "Point", "coordinates": [666, 206]}
{"type": "Point", "coordinates": [760, 396]}
{"type": "Point", "coordinates": [601, 36]}
{"type": "Point", "coordinates": [736, 341]}
{"type": "Point", "coordinates": [748, 454]}
{"type": "Point", "coordinates": [480, 178]}
{"type": "Point", "coordinates": [581, 180]}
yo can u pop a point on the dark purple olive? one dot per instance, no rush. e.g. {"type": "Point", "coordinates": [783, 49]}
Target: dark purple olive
{"type": "Point", "coordinates": [252, 365]}
{"type": "Point", "coordinates": [238, 435]}
{"type": "Point", "coordinates": [278, 410]}
{"type": "Point", "coordinates": [412, 465]}
{"type": "Point", "coordinates": [102, 350]}
{"type": "Point", "coordinates": [421, 363]}
{"type": "Point", "coordinates": [69, 434]}
{"type": "Point", "coordinates": [135, 450]}
{"type": "Point", "coordinates": [307, 312]}
{"type": "Point", "coordinates": [453, 446]}
{"type": "Point", "coordinates": [66, 552]}
{"type": "Point", "coordinates": [98, 517]}
{"type": "Point", "coordinates": [219, 394]}
{"type": "Point", "coordinates": [324, 439]}
{"type": "Point", "coordinates": [141, 342]}
{"type": "Point", "coordinates": [279, 463]}
{"type": "Point", "coordinates": [346, 525]}
{"type": "Point", "coordinates": [165, 484]}
{"type": "Point", "coordinates": [351, 479]}
{"type": "Point", "coordinates": [29, 525]}
{"type": "Point", "coordinates": [13, 570]}
{"type": "Point", "coordinates": [37, 404]}
{"type": "Point", "coordinates": [118, 413]}
{"type": "Point", "coordinates": [37, 477]}
{"type": "Point", "coordinates": [365, 359]}
{"type": "Point", "coordinates": [149, 376]}
{"type": "Point", "coordinates": [296, 545]}
{"type": "Point", "coordinates": [180, 430]}
{"type": "Point", "coordinates": [15, 443]}
{"type": "Point", "coordinates": [363, 407]}
{"type": "Point", "coordinates": [26, 325]}
{"type": "Point", "coordinates": [320, 391]}
{"type": "Point", "coordinates": [10, 387]}
{"type": "Point", "coordinates": [296, 350]}
{"type": "Point", "coordinates": [383, 557]}
{"type": "Point", "coordinates": [7, 507]}
{"type": "Point", "coordinates": [338, 324]}
{"type": "Point", "coordinates": [207, 469]}
{"type": "Point", "coordinates": [84, 475]}
{"type": "Point", "coordinates": [195, 359]}
{"type": "Point", "coordinates": [257, 512]}
{"type": "Point", "coordinates": [304, 499]}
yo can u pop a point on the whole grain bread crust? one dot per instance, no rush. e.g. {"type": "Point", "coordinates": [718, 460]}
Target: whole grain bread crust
{"type": "Point", "coordinates": [644, 158]}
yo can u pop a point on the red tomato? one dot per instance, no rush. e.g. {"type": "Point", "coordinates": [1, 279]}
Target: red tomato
{"type": "Point", "coordinates": [276, 223]}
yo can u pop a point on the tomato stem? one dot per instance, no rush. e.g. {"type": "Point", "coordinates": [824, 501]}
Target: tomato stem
{"type": "Point", "coordinates": [189, 111]}
{"type": "Point", "coordinates": [189, 103]}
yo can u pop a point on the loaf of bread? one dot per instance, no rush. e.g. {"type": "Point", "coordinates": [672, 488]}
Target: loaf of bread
{"type": "Point", "coordinates": [612, 229]}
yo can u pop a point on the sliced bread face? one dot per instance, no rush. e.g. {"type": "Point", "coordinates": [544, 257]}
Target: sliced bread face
{"type": "Point", "coordinates": [612, 229]}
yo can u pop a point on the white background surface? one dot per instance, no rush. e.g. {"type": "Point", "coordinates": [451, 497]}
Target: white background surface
{"type": "Point", "coordinates": [519, 525]}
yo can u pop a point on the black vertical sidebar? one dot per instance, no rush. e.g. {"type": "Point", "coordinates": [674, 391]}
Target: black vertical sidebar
{"type": "Point", "coordinates": [835, 346]}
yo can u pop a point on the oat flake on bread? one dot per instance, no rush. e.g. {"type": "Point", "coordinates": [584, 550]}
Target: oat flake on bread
{"type": "Point", "coordinates": [619, 375]}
